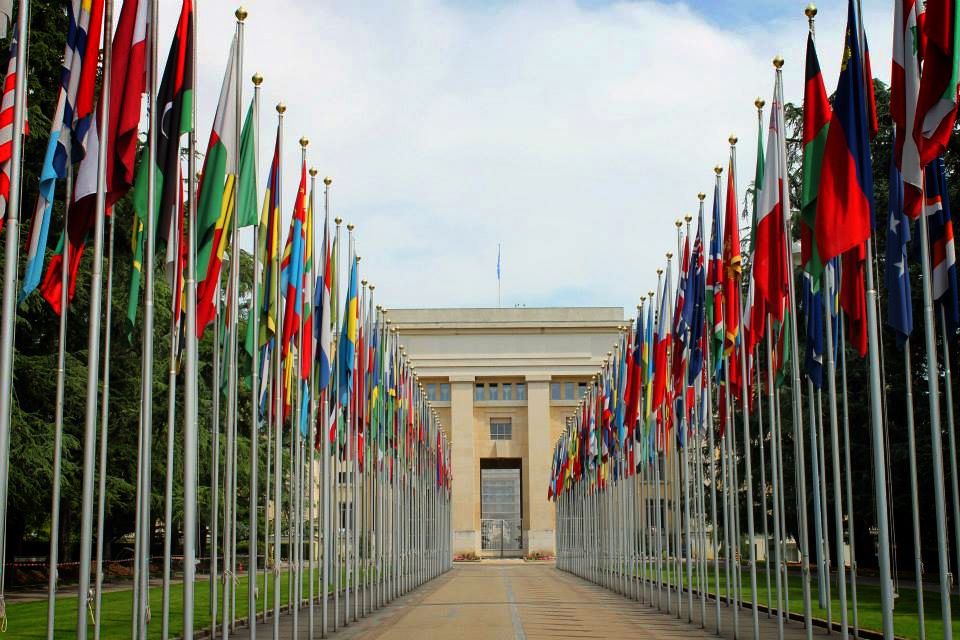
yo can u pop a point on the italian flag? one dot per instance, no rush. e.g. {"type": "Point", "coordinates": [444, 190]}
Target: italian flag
{"type": "Point", "coordinates": [769, 268]}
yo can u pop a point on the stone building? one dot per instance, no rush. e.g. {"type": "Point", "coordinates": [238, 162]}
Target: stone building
{"type": "Point", "coordinates": [504, 382]}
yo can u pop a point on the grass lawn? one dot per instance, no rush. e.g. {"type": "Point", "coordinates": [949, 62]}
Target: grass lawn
{"type": "Point", "coordinates": [28, 620]}
{"type": "Point", "coordinates": [906, 622]}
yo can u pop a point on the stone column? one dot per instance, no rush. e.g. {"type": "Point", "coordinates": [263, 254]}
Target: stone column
{"type": "Point", "coordinates": [540, 524]}
{"type": "Point", "coordinates": [466, 537]}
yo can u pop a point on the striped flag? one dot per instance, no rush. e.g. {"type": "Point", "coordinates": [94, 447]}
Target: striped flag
{"type": "Point", "coordinates": [324, 323]}
{"type": "Point", "coordinates": [68, 125]}
{"type": "Point", "coordinates": [937, 100]}
{"type": "Point", "coordinates": [6, 127]}
{"type": "Point", "coordinates": [291, 280]}
{"type": "Point", "coordinates": [908, 46]}
{"type": "Point", "coordinates": [714, 299]}
{"type": "Point", "coordinates": [943, 254]}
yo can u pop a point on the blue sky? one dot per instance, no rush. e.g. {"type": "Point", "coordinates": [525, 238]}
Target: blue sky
{"type": "Point", "coordinates": [573, 133]}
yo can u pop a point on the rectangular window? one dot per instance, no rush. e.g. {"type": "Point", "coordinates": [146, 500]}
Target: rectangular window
{"type": "Point", "coordinates": [568, 388]}
{"type": "Point", "coordinates": [521, 391]}
{"type": "Point", "coordinates": [507, 391]}
{"type": "Point", "coordinates": [501, 429]}
{"type": "Point", "coordinates": [431, 391]}
{"type": "Point", "coordinates": [493, 391]}
{"type": "Point", "coordinates": [581, 390]}
{"type": "Point", "coordinates": [554, 390]}
{"type": "Point", "coordinates": [444, 392]}
{"type": "Point", "coordinates": [478, 391]}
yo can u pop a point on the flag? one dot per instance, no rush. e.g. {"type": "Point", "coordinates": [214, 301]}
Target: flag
{"type": "Point", "coordinates": [6, 126]}
{"type": "Point", "coordinates": [812, 305]}
{"type": "Point", "coordinates": [661, 345]}
{"type": "Point", "coordinates": [908, 46]}
{"type": "Point", "coordinates": [853, 296]}
{"type": "Point", "coordinates": [943, 255]}
{"type": "Point", "coordinates": [324, 326]}
{"type": "Point", "coordinates": [845, 195]}
{"type": "Point", "coordinates": [346, 361]}
{"type": "Point", "coordinates": [770, 270]}
{"type": "Point", "coordinates": [214, 197]}
{"type": "Point", "coordinates": [291, 280]}
{"type": "Point", "coordinates": [695, 294]}
{"type": "Point", "coordinates": [715, 272]}
{"type": "Point", "coordinates": [175, 117]}
{"type": "Point", "coordinates": [731, 268]}
{"type": "Point", "coordinates": [896, 273]}
{"type": "Point", "coordinates": [816, 124]}
{"type": "Point", "coordinates": [68, 127]}
{"type": "Point", "coordinates": [937, 97]}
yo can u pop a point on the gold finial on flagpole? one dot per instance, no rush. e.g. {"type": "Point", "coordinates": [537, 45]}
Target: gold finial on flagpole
{"type": "Point", "coordinates": [677, 223]}
{"type": "Point", "coordinates": [241, 14]}
{"type": "Point", "coordinates": [650, 294]}
{"type": "Point", "coordinates": [659, 273]}
{"type": "Point", "coordinates": [718, 169]}
{"type": "Point", "coordinates": [669, 255]}
{"type": "Point", "coordinates": [778, 62]}
{"type": "Point", "coordinates": [313, 172]}
{"type": "Point", "coordinates": [759, 102]}
{"type": "Point", "coordinates": [281, 108]}
{"type": "Point", "coordinates": [688, 218]}
{"type": "Point", "coordinates": [257, 79]}
{"type": "Point", "coordinates": [328, 181]}
{"type": "Point", "coordinates": [304, 141]}
{"type": "Point", "coordinates": [810, 11]}
{"type": "Point", "coordinates": [338, 220]}
{"type": "Point", "coordinates": [701, 196]}
{"type": "Point", "coordinates": [364, 281]}
{"type": "Point", "coordinates": [350, 226]}
{"type": "Point", "coordinates": [732, 140]}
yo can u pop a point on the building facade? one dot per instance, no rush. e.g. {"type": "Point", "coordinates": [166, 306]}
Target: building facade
{"type": "Point", "coordinates": [504, 382]}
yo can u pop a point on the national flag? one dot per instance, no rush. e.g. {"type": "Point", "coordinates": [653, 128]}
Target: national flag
{"type": "Point", "coordinates": [214, 197]}
{"type": "Point", "coordinates": [291, 280]}
{"type": "Point", "coordinates": [937, 97]}
{"type": "Point", "coordinates": [755, 315]}
{"type": "Point", "coordinates": [323, 329]}
{"type": "Point", "coordinates": [731, 268]}
{"type": "Point", "coordinates": [695, 294]}
{"type": "Point", "coordinates": [661, 345]}
{"type": "Point", "coordinates": [6, 126]}
{"type": "Point", "coordinates": [770, 269]}
{"type": "Point", "coordinates": [897, 273]}
{"type": "Point", "coordinates": [174, 118]}
{"type": "Point", "coordinates": [68, 126]}
{"type": "Point", "coordinates": [346, 361]}
{"type": "Point", "coordinates": [812, 305]}
{"type": "Point", "coordinates": [853, 296]}
{"type": "Point", "coordinates": [908, 46]}
{"type": "Point", "coordinates": [816, 124]}
{"type": "Point", "coordinates": [943, 256]}
{"type": "Point", "coordinates": [715, 274]}
{"type": "Point", "coordinates": [845, 196]}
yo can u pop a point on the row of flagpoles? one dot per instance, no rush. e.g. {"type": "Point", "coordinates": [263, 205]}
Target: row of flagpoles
{"type": "Point", "coordinates": [357, 488]}
{"type": "Point", "coordinates": [647, 491]}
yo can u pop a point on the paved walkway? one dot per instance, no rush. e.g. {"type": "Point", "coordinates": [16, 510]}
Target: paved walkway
{"type": "Point", "coordinates": [513, 600]}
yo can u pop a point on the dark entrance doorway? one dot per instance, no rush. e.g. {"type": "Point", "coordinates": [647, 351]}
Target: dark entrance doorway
{"type": "Point", "coordinates": [501, 521]}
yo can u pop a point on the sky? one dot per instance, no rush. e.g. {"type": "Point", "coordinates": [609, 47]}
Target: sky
{"type": "Point", "coordinates": [571, 134]}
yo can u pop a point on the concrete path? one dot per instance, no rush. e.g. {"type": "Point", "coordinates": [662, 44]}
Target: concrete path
{"type": "Point", "coordinates": [514, 600]}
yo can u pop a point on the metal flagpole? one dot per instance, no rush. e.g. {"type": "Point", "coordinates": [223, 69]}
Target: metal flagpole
{"type": "Point", "coordinates": [311, 415]}
{"type": "Point", "coordinates": [11, 262]}
{"type": "Point", "coordinates": [835, 451]}
{"type": "Point", "coordinates": [848, 479]}
{"type": "Point", "coordinates": [763, 480]}
{"type": "Point", "coordinates": [96, 292]}
{"type": "Point", "coordinates": [914, 501]}
{"type": "Point", "coordinates": [190, 428]}
{"type": "Point", "coordinates": [797, 402]}
{"type": "Point", "coordinates": [104, 433]}
{"type": "Point", "coordinates": [58, 416]}
{"type": "Point", "coordinates": [775, 460]}
{"type": "Point", "coordinates": [254, 319]}
{"type": "Point", "coordinates": [951, 434]}
{"type": "Point", "coordinates": [335, 416]}
{"type": "Point", "coordinates": [215, 469]}
{"type": "Point", "coordinates": [817, 500]}
{"type": "Point", "coordinates": [348, 420]}
{"type": "Point", "coordinates": [355, 472]}
{"type": "Point", "coordinates": [277, 408]}
{"type": "Point", "coordinates": [747, 442]}
{"type": "Point", "coordinates": [936, 435]}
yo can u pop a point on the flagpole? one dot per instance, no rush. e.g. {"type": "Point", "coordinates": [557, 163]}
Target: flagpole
{"type": "Point", "coordinates": [58, 416]}
{"type": "Point", "coordinates": [951, 433]}
{"type": "Point", "coordinates": [104, 433]}
{"type": "Point", "coordinates": [311, 442]}
{"type": "Point", "coordinates": [797, 401]}
{"type": "Point", "coordinates": [747, 440]}
{"type": "Point", "coordinates": [96, 279]}
{"type": "Point", "coordinates": [254, 320]}
{"type": "Point", "coordinates": [190, 427]}
{"type": "Point", "coordinates": [936, 434]}
{"type": "Point", "coordinates": [775, 460]}
{"type": "Point", "coordinates": [277, 403]}
{"type": "Point", "coordinates": [11, 262]}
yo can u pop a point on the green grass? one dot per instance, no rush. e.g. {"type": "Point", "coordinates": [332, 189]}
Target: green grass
{"type": "Point", "coordinates": [906, 622]}
{"type": "Point", "coordinates": [28, 620]}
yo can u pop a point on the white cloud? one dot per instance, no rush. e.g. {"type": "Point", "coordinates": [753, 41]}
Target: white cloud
{"type": "Point", "coordinates": [573, 136]}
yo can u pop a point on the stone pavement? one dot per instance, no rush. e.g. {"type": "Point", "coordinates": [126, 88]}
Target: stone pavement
{"type": "Point", "coordinates": [514, 600]}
